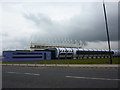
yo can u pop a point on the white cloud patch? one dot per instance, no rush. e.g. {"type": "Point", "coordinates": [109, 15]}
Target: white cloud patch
{"type": "Point", "coordinates": [101, 45]}
{"type": "Point", "coordinates": [26, 21]}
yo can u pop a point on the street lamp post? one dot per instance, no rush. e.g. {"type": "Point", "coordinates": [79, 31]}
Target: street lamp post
{"type": "Point", "coordinates": [107, 32]}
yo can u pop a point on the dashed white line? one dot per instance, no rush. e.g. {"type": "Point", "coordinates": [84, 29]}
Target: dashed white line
{"type": "Point", "coordinates": [36, 74]}
{"type": "Point", "coordinates": [27, 73]}
{"type": "Point", "coordinates": [24, 73]}
{"type": "Point", "coordinates": [11, 72]}
{"type": "Point", "coordinates": [32, 74]}
{"type": "Point", "coordinates": [91, 78]}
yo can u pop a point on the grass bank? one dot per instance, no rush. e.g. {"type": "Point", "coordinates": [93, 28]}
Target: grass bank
{"type": "Point", "coordinates": [1, 59]}
{"type": "Point", "coordinates": [70, 61]}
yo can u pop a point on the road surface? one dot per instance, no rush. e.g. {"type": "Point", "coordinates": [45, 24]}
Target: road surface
{"type": "Point", "coordinates": [59, 77]}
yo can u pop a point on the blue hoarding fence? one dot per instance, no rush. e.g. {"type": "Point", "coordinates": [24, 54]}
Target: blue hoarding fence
{"type": "Point", "coordinates": [26, 55]}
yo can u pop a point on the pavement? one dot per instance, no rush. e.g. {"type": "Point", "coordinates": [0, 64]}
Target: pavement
{"type": "Point", "coordinates": [57, 77]}
{"type": "Point", "coordinates": [67, 65]}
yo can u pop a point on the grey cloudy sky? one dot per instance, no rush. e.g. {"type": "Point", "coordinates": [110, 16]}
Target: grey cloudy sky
{"type": "Point", "coordinates": [22, 22]}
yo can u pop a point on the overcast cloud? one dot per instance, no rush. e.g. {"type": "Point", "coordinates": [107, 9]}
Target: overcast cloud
{"type": "Point", "coordinates": [44, 21]}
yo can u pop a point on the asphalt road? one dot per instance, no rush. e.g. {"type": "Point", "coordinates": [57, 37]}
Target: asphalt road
{"type": "Point", "coordinates": [57, 77]}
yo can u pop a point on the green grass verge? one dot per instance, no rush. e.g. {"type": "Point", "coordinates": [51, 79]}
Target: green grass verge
{"type": "Point", "coordinates": [1, 59]}
{"type": "Point", "coordinates": [70, 61]}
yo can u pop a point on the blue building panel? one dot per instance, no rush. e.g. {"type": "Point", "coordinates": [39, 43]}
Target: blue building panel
{"type": "Point", "coordinates": [26, 55]}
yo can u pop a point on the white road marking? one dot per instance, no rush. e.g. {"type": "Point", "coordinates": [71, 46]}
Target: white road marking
{"type": "Point", "coordinates": [11, 72]}
{"type": "Point", "coordinates": [36, 74]}
{"type": "Point", "coordinates": [32, 74]}
{"type": "Point", "coordinates": [28, 73]}
{"type": "Point", "coordinates": [91, 78]}
{"type": "Point", "coordinates": [24, 73]}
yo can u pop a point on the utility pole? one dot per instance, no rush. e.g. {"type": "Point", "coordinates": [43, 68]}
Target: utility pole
{"type": "Point", "coordinates": [107, 32]}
